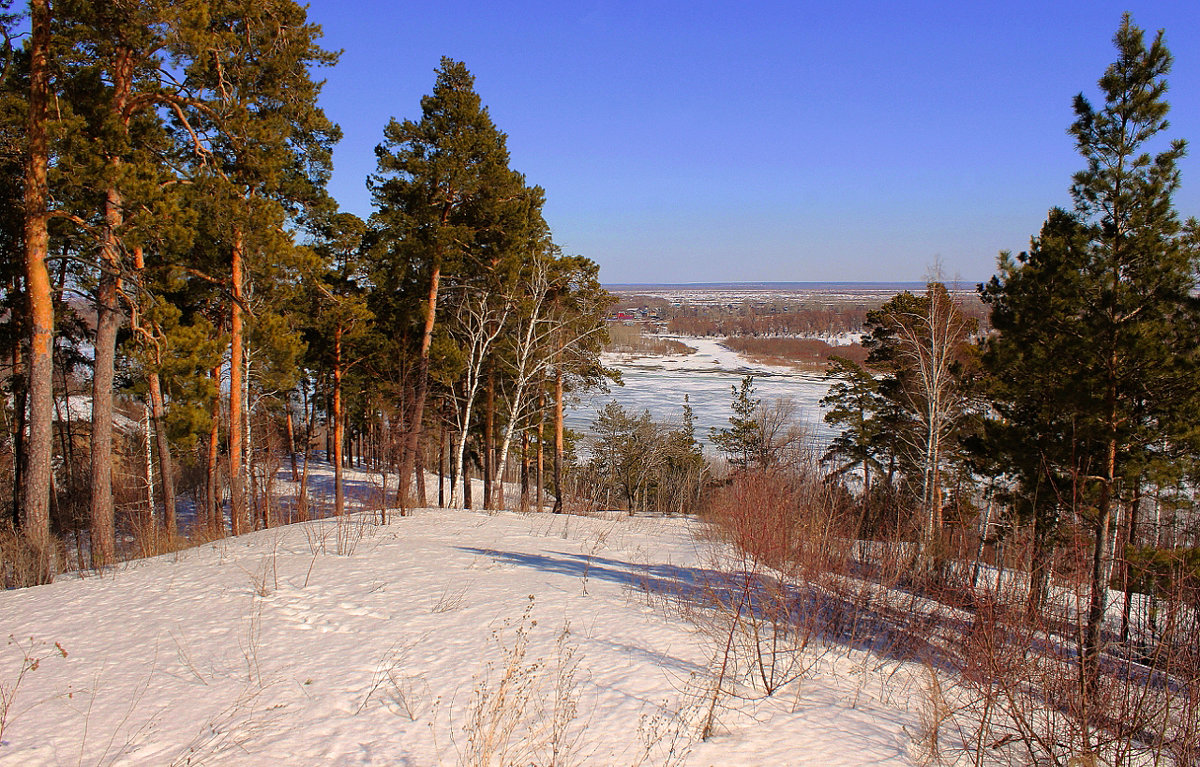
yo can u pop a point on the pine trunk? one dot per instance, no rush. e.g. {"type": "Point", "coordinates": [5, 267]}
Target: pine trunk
{"type": "Point", "coordinates": [291, 438]}
{"type": "Point", "coordinates": [166, 469]}
{"type": "Point", "coordinates": [237, 487]}
{"type": "Point", "coordinates": [107, 323]}
{"type": "Point", "coordinates": [466, 484]}
{"type": "Point", "coordinates": [310, 419]}
{"type": "Point", "coordinates": [20, 399]}
{"type": "Point", "coordinates": [442, 464]}
{"type": "Point", "coordinates": [409, 460]}
{"type": "Point", "coordinates": [35, 489]}
{"type": "Point", "coordinates": [419, 471]}
{"type": "Point", "coordinates": [212, 496]}
{"type": "Point", "coordinates": [1098, 604]}
{"type": "Point", "coordinates": [541, 453]}
{"type": "Point", "coordinates": [339, 498]}
{"type": "Point", "coordinates": [1130, 541]}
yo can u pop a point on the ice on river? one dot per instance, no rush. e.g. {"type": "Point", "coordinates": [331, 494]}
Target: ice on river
{"type": "Point", "coordinates": [658, 383]}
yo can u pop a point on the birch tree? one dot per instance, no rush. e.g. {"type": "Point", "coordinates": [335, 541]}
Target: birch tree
{"type": "Point", "coordinates": [921, 342]}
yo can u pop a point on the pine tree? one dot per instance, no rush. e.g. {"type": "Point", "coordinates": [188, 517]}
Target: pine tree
{"type": "Point", "coordinates": [434, 177]}
{"type": "Point", "coordinates": [1036, 300]}
{"type": "Point", "coordinates": [1110, 290]}
{"type": "Point", "coordinates": [339, 319]}
{"type": "Point", "coordinates": [35, 491]}
{"type": "Point", "coordinates": [853, 404]}
{"type": "Point", "coordinates": [1141, 274]}
{"type": "Point", "coordinates": [742, 443]}
{"type": "Point", "coordinates": [261, 149]}
{"type": "Point", "coordinates": [110, 172]}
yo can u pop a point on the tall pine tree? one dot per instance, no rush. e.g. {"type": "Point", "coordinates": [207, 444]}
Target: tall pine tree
{"type": "Point", "coordinates": [1111, 289]}
{"type": "Point", "coordinates": [436, 176]}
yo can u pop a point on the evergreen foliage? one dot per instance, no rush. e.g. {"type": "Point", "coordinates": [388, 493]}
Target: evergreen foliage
{"type": "Point", "coordinates": [742, 442]}
{"type": "Point", "coordinates": [1109, 288]}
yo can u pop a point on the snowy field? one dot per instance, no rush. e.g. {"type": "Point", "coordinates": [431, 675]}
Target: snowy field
{"type": "Point", "coordinates": [446, 637]}
{"type": "Point", "coordinates": [657, 383]}
{"type": "Point", "coordinates": [734, 294]}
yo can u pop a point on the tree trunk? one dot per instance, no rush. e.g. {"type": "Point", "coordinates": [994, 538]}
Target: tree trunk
{"type": "Point", "coordinates": [20, 399]}
{"type": "Point", "coordinates": [520, 387]}
{"type": "Point", "coordinates": [328, 426]}
{"type": "Point", "coordinates": [237, 487]}
{"type": "Point", "coordinates": [165, 465]}
{"type": "Point", "coordinates": [212, 497]}
{"type": "Point", "coordinates": [442, 464]}
{"type": "Point", "coordinates": [339, 498]}
{"type": "Point", "coordinates": [524, 470]}
{"type": "Point", "coordinates": [489, 447]}
{"type": "Point", "coordinates": [1098, 605]}
{"type": "Point", "coordinates": [541, 453]}
{"type": "Point", "coordinates": [866, 461]}
{"type": "Point", "coordinates": [466, 482]}
{"type": "Point", "coordinates": [419, 471]}
{"type": "Point", "coordinates": [108, 321]}
{"type": "Point", "coordinates": [453, 472]}
{"type": "Point", "coordinates": [409, 458]}
{"type": "Point", "coordinates": [310, 419]}
{"type": "Point", "coordinates": [558, 441]}
{"type": "Point", "coordinates": [158, 413]}
{"type": "Point", "coordinates": [291, 438]}
{"type": "Point", "coordinates": [1039, 565]}
{"type": "Point", "coordinates": [461, 453]}
{"type": "Point", "coordinates": [1130, 541]}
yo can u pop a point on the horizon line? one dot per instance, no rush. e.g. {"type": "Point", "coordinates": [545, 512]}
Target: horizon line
{"type": "Point", "coordinates": [957, 283]}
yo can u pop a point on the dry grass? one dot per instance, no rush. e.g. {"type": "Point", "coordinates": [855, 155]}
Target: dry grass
{"type": "Point", "coordinates": [18, 561]}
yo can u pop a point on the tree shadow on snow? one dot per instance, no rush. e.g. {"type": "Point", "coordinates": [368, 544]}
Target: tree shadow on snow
{"type": "Point", "coordinates": [860, 620]}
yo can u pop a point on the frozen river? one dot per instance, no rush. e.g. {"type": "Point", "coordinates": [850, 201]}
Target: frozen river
{"type": "Point", "coordinates": [658, 384]}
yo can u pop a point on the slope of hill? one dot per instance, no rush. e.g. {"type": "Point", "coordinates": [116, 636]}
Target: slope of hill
{"type": "Point", "coordinates": [445, 637]}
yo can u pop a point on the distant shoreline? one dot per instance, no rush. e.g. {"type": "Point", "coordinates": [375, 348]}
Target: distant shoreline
{"type": "Point", "coordinates": [844, 285]}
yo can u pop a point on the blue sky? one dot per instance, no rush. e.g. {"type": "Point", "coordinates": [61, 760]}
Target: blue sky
{"type": "Point", "coordinates": [698, 141]}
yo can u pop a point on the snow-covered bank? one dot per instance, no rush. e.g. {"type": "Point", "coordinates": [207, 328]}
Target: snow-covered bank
{"type": "Point", "coordinates": [439, 639]}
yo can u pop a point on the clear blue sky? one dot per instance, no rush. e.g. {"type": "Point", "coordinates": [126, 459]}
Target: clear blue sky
{"type": "Point", "coordinates": [698, 141]}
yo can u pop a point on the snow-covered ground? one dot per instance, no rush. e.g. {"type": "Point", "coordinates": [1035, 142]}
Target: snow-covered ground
{"type": "Point", "coordinates": [445, 637]}
{"type": "Point", "coordinates": [658, 382]}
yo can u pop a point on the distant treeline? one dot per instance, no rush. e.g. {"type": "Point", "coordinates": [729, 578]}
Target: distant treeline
{"type": "Point", "coordinates": [791, 350]}
{"type": "Point", "coordinates": [766, 320]}
{"type": "Point", "coordinates": [783, 318]}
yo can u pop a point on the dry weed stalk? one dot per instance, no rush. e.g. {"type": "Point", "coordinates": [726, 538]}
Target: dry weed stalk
{"type": "Point", "coordinates": [665, 736]}
{"type": "Point", "coordinates": [9, 689]}
{"type": "Point", "coordinates": [350, 531]}
{"type": "Point", "coordinates": [524, 711]}
{"type": "Point", "coordinates": [451, 598]}
{"type": "Point", "coordinates": [400, 692]}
